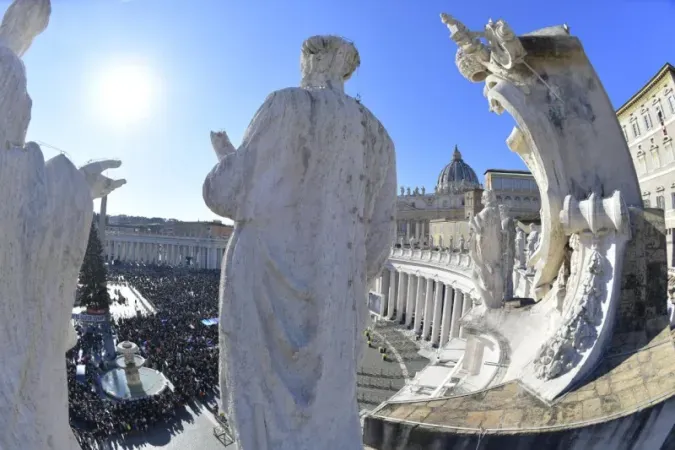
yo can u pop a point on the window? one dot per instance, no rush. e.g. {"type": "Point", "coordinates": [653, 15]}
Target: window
{"type": "Point", "coordinates": [660, 202]}
{"type": "Point", "coordinates": [648, 120]}
{"type": "Point", "coordinates": [636, 128]}
{"type": "Point", "coordinates": [672, 200]}
{"type": "Point", "coordinates": [659, 114]}
{"type": "Point", "coordinates": [671, 103]}
{"type": "Point", "coordinates": [625, 133]}
{"type": "Point", "coordinates": [496, 183]}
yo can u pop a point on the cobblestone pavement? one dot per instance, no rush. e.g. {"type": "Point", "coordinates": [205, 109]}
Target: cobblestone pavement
{"type": "Point", "coordinates": [378, 380]}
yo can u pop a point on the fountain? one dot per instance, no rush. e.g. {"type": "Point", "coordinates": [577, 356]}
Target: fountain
{"type": "Point", "coordinates": [130, 380]}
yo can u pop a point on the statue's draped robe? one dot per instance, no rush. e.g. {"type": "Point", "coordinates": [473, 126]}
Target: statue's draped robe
{"type": "Point", "coordinates": [45, 214]}
{"type": "Point", "coordinates": [312, 191]}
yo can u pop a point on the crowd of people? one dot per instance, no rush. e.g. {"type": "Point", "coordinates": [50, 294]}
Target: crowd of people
{"type": "Point", "coordinates": [174, 341]}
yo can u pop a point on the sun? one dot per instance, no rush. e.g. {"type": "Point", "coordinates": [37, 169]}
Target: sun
{"type": "Point", "coordinates": [125, 93]}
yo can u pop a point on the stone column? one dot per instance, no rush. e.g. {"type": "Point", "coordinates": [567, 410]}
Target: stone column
{"type": "Point", "coordinates": [384, 288]}
{"type": "Point", "coordinates": [402, 291]}
{"type": "Point", "coordinates": [456, 314]}
{"type": "Point", "coordinates": [447, 311]}
{"type": "Point", "coordinates": [428, 308]}
{"type": "Point", "coordinates": [410, 304]}
{"type": "Point", "coordinates": [438, 304]}
{"type": "Point", "coordinates": [391, 300]}
{"type": "Point", "coordinates": [419, 304]}
{"type": "Point", "coordinates": [466, 306]}
{"type": "Point", "coordinates": [407, 230]}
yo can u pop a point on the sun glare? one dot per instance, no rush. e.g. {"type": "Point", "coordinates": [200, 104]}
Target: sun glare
{"type": "Point", "coordinates": [125, 94]}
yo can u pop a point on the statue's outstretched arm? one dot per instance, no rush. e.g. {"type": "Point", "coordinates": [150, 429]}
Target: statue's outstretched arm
{"type": "Point", "coordinates": [382, 231]}
{"type": "Point", "coordinates": [99, 184]}
{"type": "Point", "coordinates": [224, 186]}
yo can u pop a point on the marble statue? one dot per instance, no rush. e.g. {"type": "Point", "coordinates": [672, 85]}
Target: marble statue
{"type": "Point", "coordinates": [508, 249]}
{"type": "Point", "coordinates": [290, 330]}
{"type": "Point", "coordinates": [423, 190]}
{"type": "Point", "coordinates": [417, 191]}
{"type": "Point", "coordinates": [431, 241]}
{"type": "Point", "coordinates": [462, 243]}
{"type": "Point", "coordinates": [450, 244]}
{"type": "Point", "coordinates": [521, 256]}
{"type": "Point", "coordinates": [402, 190]}
{"type": "Point", "coordinates": [532, 245]}
{"type": "Point", "coordinates": [408, 191]}
{"type": "Point", "coordinates": [440, 242]}
{"type": "Point", "coordinates": [486, 252]}
{"type": "Point", "coordinates": [46, 215]}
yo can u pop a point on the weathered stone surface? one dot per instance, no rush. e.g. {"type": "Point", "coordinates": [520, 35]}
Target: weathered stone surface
{"type": "Point", "coordinates": [45, 217]}
{"type": "Point", "coordinates": [318, 165]}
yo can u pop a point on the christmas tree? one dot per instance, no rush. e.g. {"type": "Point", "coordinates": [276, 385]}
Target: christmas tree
{"type": "Point", "coordinates": [93, 292]}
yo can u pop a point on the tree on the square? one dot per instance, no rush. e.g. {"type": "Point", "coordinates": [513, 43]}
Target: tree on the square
{"type": "Point", "coordinates": [93, 290]}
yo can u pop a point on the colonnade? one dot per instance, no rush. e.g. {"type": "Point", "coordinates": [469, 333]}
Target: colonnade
{"type": "Point", "coordinates": [154, 249]}
{"type": "Point", "coordinates": [428, 306]}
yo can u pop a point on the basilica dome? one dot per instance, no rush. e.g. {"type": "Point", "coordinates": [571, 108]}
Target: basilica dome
{"type": "Point", "coordinates": [457, 176]}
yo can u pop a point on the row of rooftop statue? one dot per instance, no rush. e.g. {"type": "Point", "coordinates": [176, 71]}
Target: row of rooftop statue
{"type": "Point", "coordinates": [290, 338]}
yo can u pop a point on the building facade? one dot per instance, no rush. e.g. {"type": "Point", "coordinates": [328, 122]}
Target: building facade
{"type": "Point", "coordinates": [441, 218]}
{"type": "Point", "coordinates": [648, 123]}
{"type": "Point", "coordinates": [427, 217]}
{"type": "Point", "coordinates": [132, 246]}
{"type": "Point", "coordinates": [517, 190]}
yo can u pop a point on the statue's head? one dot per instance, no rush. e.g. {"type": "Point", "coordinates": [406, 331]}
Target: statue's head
{"type": "Point", "coordinates": [488, 198]}
{"type": "Point", "coordinates": [23, 21]}
{"type": "Point", "coordinates": [328, 61]}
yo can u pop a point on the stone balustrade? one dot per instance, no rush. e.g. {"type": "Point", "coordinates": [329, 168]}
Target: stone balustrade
{"type": "Point", "coordinates": [441, 258]}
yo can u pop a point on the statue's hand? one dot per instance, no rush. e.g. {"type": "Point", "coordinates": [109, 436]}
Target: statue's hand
{"type": "Point", "coordinates": [99, 184]}
{"type": "Point", "coordinates": [221, 144]}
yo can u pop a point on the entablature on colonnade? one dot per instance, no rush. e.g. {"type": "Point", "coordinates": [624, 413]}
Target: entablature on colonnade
{"type": "Point", "coordinates": [448, 267]}
{"type": "Point", "coordinates": [117, 236]}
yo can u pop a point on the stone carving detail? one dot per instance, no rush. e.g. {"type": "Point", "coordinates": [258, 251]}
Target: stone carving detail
{"type": "Point", "coordinates": [599, 231]}
{"type": "Point", "coordinates": [475, 60]}
{"type": "Point", "coordinates": [546, 83]}
{"type": "Point", "coordinates": [578, 332]}
{"type": "Point", "coordinates": [287, 367]}
{"type": "Point", "coordinates": [521, 255]}
{"type": "Point", "coordinates": [486, 250]}
{"type": "Point", "coordinates": [45, 217]}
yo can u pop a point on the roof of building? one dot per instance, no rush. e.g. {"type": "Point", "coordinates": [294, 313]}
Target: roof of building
{"type": "Point", "coordinates": [457, 176]}
{"type": "Point", "coordinates": [667, 67]}
{"type": "Point", "coordinates": [520, 172]}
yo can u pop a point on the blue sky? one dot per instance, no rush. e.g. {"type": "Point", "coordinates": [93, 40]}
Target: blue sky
{"type": "Point", "coordinates": [213, 62]}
